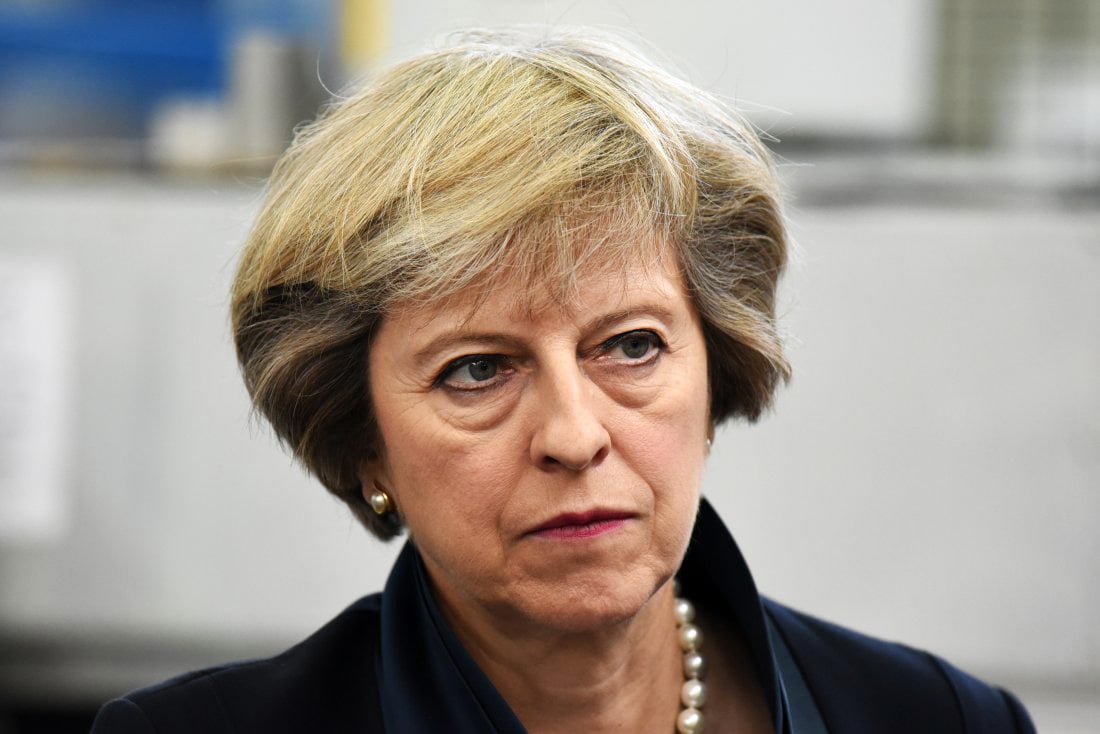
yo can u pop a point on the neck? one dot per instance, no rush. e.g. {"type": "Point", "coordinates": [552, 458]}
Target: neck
{"type": "Point", "coordinates": [617, 679]}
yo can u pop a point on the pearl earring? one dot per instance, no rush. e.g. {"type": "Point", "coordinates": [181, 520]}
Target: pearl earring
{"type": "Point", "coordinates": [380, 501]}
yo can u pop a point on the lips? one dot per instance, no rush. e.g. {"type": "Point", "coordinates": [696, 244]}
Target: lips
{"type": "Point", "coordinates": [582, 525]}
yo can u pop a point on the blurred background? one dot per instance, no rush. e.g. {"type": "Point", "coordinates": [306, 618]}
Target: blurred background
{"type": "Point", "coordinates": [932, 474]}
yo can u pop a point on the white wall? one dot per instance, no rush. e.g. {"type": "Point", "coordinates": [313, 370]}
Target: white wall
{"type": "Point", "coordinates": [849, 67]}
{"type": "Point", "coordinates": [187, 519]}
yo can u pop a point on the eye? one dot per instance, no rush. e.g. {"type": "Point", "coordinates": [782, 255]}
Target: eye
{"type": "Point", "coordinates": [636, 346]}
{"type": "Point", "coordinates": [474, 372]}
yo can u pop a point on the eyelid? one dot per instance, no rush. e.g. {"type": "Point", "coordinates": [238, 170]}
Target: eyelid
{"type": "Point", "coordinates": [466, 359]}
{"type": "Point", "coordinates": [614, 341]}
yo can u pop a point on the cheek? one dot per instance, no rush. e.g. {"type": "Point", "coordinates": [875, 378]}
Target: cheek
{"type": "Point", "coordinates": [452, 500]}
{"type": "Point", "coordinates": [449, 484]}
{"type": "Point", "coordinates": [669, 447]}
{"type": "Point", "coordinates": [674, 468]}
{"type": "Point", "coordinates": [676, 426]}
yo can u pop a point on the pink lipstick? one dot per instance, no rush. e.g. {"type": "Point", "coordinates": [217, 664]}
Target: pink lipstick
{"type": "Point", "coordinates": [572, 525]}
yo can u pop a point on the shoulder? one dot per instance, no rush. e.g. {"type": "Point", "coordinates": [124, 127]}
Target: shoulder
{"type": "Point", "coordinates": [865, 684]}
{"type": "Point", "coordinates": [328, 682]}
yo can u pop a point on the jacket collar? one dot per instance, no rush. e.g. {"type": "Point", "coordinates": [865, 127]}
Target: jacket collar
{"type": "Point", "coordinates": [430, 683]}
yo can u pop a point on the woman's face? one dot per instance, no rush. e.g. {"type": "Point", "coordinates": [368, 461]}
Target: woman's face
{"type": "Point", "coordinates": [546, 459]}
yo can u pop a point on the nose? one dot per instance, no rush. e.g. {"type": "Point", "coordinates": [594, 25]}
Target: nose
{"type": "Point", "coordinates": [569, 433]}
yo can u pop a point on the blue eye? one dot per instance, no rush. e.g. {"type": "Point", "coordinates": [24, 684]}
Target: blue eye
{"type": "Point", "coordinates": [471, 372]}
{"type": "Point", "coordinates": [479, 370]}
{"type": "Point", "coordinates": [635, 345]}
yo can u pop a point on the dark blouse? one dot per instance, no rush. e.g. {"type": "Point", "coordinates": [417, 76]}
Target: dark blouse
{"type": "Point", "coordinates": [391, 663]}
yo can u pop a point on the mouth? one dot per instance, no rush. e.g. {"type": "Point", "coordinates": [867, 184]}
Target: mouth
{"type": "Point", "coordinates": [574, 525]}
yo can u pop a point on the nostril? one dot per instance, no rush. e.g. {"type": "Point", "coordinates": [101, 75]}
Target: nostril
{"type": "Point", "coordinates": [577, 460]}
{"type": "Point", "coordinates": [599, 457]}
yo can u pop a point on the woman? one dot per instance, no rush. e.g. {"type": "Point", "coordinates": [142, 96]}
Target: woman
{"type": "Point", "coordinates": [500, 298]}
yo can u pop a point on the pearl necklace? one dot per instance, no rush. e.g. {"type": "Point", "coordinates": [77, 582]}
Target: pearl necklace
{"type": "Point", "coordinates": [693, 694]}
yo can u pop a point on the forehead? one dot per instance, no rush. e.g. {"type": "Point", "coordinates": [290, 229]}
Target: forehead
{"type": "Point", "coordinates": [653, 276]}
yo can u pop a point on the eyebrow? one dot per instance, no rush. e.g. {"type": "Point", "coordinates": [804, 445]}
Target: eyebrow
{"type": "Point", "coordinates": [622, 315]}
{"type": "Point", "coordinates": [446, 341]}
{"type": "Point", "coordinates": [435, 346]}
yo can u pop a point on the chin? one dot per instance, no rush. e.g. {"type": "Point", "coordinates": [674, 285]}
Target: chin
{"type": "Point", "coordinates": [590, 604]}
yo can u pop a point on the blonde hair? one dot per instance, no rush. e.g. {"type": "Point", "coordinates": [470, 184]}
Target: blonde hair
{"type": "Point", "coordinates": [509, 154]}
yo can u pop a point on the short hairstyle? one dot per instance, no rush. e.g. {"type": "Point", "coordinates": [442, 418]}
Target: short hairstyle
{"type": "Point", "coordinates": [507, 154]}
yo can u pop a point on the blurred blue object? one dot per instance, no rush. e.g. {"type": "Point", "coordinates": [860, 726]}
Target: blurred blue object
{"type": "Point", "coordinates": [73, 69]}
{"type": "Point", "coordinates": [131, 55]}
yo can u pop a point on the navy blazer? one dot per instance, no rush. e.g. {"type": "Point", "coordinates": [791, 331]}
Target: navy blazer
{"type": "Point", "coordinates": [391, 663]}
